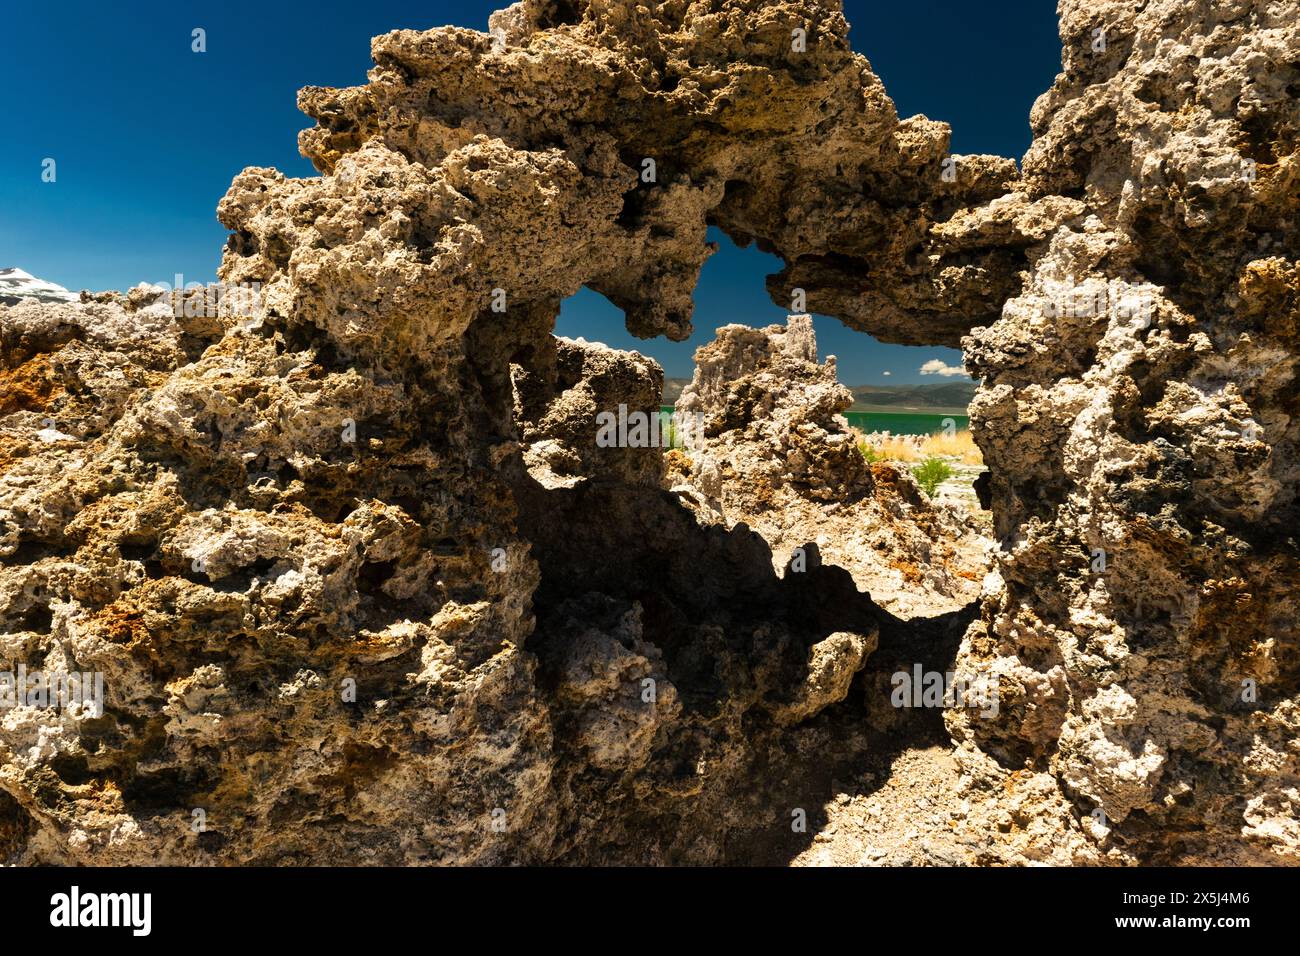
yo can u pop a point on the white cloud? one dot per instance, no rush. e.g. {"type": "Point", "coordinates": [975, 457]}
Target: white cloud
{"type": "Point", "coordinates": [886, 373]}
{"type": "Point", "coordinates": [939, 367]}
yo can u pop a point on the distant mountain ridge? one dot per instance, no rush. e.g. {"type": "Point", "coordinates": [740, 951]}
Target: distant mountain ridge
{"type": "Point", "coordinates": [17, 285]}
{"type": "Point", "coordinates": [942, 395]}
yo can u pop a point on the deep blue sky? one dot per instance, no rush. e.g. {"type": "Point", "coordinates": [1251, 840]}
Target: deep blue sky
{"type": "Point", "coordinates": [147, 134]}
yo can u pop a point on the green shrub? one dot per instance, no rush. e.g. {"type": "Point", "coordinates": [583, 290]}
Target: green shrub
{"type": "Point", "coordinates": [668, 429]}
{"type": "Point", "coordinates": [931, 473]}
{"type": "Point", "coordinates": [868, 451]}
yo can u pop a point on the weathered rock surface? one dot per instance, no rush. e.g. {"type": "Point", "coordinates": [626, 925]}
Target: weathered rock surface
{"type": "Point", "coordinates": [561, 393]}
{"type": "Point", "coordinates": [363, 589]}
{"type": "Point", "coordinates": [778, 138]}
{"type": "Point", "coordinates": [775, 452]}
{"type": "Point", "coordinates": [1139, 407]}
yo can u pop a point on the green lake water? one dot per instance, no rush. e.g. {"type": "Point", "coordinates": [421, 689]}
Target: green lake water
{"type": "Point", "coordinates": [904, 423]}
{"type": "Point", "coordinates": [896, 423]}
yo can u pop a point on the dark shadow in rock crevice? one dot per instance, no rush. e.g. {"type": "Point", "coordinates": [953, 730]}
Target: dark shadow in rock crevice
{"type": "Point", "coordinates": [851, 746]}
{"type": "Point", "coordinates": [709, 600]}
{"type": "Point", "coordinates": [16, 827]}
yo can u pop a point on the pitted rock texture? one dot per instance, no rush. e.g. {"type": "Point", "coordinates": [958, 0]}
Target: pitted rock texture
{"type": "Point", "coordinates": [786, 140]}
{"type": "Point", "coordinates": [565, 390]}
{"type": "Point", "coordinates": [1139, 417]}
{"type": "Point", "coordinates": [775, 452]}
{"type": "Point", "coordinates": [286, 638]}
{"type": "Point", "coordinates": [362, 590]}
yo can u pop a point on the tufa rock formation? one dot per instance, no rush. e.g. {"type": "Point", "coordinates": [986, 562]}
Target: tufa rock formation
{"type": "Point", "coordinates": [1138, 413]}
{"type": "Point", "coordinates": [362, 587]}
{"type": "Point", "coordinates": [775, 452]}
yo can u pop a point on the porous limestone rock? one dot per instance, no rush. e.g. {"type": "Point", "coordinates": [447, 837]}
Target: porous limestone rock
{"type": "Point", "coordinates": [361, 590]}
{"type": "Point", "coordinates": [1138, 412]}
{"type": "Point", "coordinates": [570, 398]}
{"type": "Point", "coordinates": [659, 120]}
{"type": "Point", "coordinates": [775, 452]}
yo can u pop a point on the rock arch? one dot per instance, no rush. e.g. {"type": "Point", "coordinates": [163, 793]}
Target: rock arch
{"type": "Point", "coordinates": [230, 558]}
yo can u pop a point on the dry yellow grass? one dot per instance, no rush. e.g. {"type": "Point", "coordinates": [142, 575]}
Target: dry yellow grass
{"type": "Point", "coordinates": [904, 448]}
{"type": "Point", "coordinates": [958, 445]}
{"type": "Point", "coordinates": [893, 448]}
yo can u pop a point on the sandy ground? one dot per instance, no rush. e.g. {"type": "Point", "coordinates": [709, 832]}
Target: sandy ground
{"type": "Point", "coordinates": [908, 808]}
{"type": "Point", "coordinates": [912, 816]}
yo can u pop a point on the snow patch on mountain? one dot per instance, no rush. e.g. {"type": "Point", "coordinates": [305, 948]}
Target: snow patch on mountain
{"type": "Point", "coordinates": [17, 285]}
